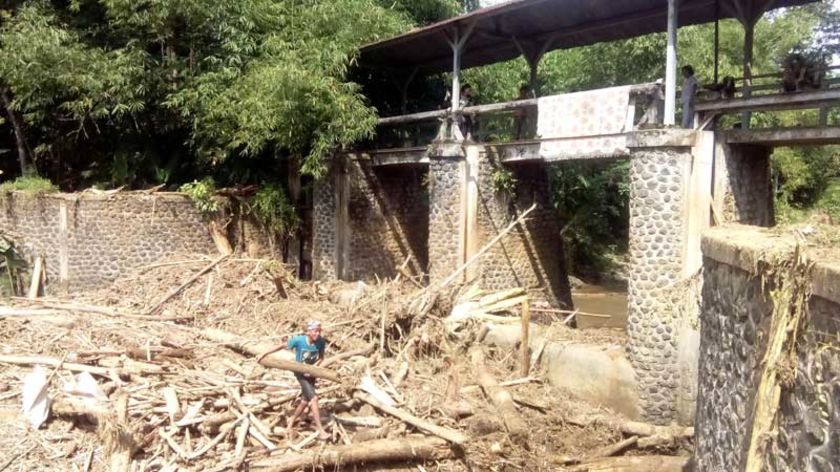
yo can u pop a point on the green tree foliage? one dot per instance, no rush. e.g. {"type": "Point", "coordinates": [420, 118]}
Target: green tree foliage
{"type": "Point", "coordinates": [174, 84]}
{"type": "Point", "coordinates": [804, 176]}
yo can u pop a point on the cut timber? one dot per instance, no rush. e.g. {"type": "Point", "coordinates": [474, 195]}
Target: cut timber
{"type": "Point", "coordinates": [635, 428]}
{"type": "Point", "coordinates": [524, 353]}
{"type": "Point", "coordinates": [35, 284]}
{"type": "Point", "coordinates": [363, 351]}
{"type": "Point", "coordinates": [99, 310]}
{"type": "Point", "coordinates": [56, 363]}
{"type": "Point", "coordinates": [220, 239]}
{"type": "Point", "coordinates": [384, 450]}
{"type": "Point", "coordinates": [501, 398]}
{"type": "Point", "coordinates": [274, 360]}
{"type": "Point", "coordinates": [634, 464]}
{"type": "Point", "coordinates": [9, 311]}
{"type": "Point", "coordinates": [449, 434]}
{"type": "Point", "coordinates": [186, 284]}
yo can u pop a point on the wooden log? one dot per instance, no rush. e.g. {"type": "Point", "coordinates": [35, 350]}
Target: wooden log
{"type": "Point", "coordinates": [58, 364]}
{"type": "Point", "coordinates": [68, 407]}
{"type": "Point", "coordinates": [524, 351]}
{"type": "Point", "coordinates": [220, 239]}
{"type": "Point", "coordinates": [501, 398]}
{"type": "Point", "coordinates": [372, 434]}
{"type": "Point", "coordinates": [383, 450]}
{"type": "Point", "coordinates": [634, 464]}
{"type": "Point", "coordinates": [10, 311]}
{"type": "Point", "coordinates": [363, 351]}
{"type": "Point", "coordinates": [275, 360]}
{"type": "Point", "coordinates": [35, 283]}
{"type": "Point", "coordinates": [634, 428]}
{"type": "Point", "coordinates": [450, 435]}
{"type": "Point", "coordinates": [186, 284]}
{"type": "Point", "coordinates": [99, 310]}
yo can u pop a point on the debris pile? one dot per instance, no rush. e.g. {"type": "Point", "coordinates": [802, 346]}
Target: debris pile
{"type": "Point", "coordinates": [159, 372]}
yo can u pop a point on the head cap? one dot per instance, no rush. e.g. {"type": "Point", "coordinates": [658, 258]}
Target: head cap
{"type": "Point", "coordinates": [313, 325]}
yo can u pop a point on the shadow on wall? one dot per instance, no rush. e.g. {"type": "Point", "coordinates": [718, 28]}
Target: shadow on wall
{"type": "Point", "coordinates": [389, 220]}
{"type": "Point", "coordinates": [532, 255]}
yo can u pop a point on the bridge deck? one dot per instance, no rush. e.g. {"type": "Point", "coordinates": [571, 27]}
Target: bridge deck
{"type": "Point", "coordinates": [783, 136]}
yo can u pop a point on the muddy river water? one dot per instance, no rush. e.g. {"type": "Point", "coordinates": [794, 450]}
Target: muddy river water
{"type": "Point", "coordinates": [610, 300]}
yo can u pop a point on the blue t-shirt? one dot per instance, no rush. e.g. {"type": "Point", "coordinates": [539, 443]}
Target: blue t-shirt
{"type": "Point", "coordinates": [305, 352]}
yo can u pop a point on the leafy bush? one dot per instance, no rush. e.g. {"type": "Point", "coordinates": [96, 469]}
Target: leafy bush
{"type": "Point", "coordinates": [29, 185]}
{"type": "Point", "coordinates": [272, 208]}
{"type": "Point", "coordinates": [830, 201]}
{"type": "Point", "coordinates": [592, 201]}
{"type": "Point", "coordinates": [203, 195]}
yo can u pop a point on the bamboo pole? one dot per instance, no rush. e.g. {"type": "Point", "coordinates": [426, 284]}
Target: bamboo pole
{"type": "Point", "coordinates": [186, 284]}
{"type": "Point", "coordinates": [450, 435]}
{"type": "Point", "coordinates": [486, 247]}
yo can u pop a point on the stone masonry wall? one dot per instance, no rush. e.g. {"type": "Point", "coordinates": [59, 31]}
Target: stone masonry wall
{"type": "Point", "coordinates": [736, 315]}
{"type": "Point", "coordinates": [445, 193]}
{"type": "Point", "coordinates": [531, 255]}
{"type": "Point", "coordinates": [102, 237]}
{"type": "Point", "coordinates": [744, 192]}
{"type": "Point", "coordinates": [658, 192]}
{"type": "Point", "coordinates": [388, 210]}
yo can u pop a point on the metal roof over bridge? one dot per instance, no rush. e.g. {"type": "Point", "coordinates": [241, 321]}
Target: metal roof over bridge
{"type": "Point", "coordinates": [539, 26]}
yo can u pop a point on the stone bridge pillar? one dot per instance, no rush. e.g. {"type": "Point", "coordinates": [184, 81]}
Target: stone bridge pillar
{"type": "Point", "coordinates": [663, 297]}
{"type": "Point", "coordinates": [743, 191]}
{"type": "Point", "coordinates": [447, 209]}
{"type": "Point", "coordinates": [467, 209]}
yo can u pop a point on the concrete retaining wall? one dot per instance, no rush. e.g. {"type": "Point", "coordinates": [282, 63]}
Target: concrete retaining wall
{"type": "Point", "coordinates": [736, 314]}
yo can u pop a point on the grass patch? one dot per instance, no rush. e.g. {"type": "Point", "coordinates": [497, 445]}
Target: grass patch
{"type": "Point", "coordinates": [29, 185]}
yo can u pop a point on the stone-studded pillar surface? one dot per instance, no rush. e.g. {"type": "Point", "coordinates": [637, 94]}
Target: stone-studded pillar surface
{"type": "Point", "coordinates": [324, 230]}
{"type": "Point", "coordinates": [446, 177]}
{"type": "Point", "coordinates": [658, 193]}
{"type": "Point", "coordinates": [743, 190]}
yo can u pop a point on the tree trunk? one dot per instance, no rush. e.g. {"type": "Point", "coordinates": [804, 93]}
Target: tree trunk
{"type": "Point", "coordinates": [17, 126]}
{"type": "Point", "coordinates": [501, 398]}
{"type": "Point", "coordinates": [634, 464]}
{"type": "Point", "coordinates": [275, 360]}
{"type": "Point", "coordinates": [407, 449]}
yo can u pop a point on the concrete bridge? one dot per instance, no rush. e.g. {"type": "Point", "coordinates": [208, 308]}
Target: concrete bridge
{"type": "Point", "coordinates": [429, 205]}
{"type": "Point", "coordinates": [429, 209]}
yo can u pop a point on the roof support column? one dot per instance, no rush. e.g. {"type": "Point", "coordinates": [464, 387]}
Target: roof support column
{"type": "Point", "coordinates": [457, 41]}
{"type": "Point", "coordinates": [671, 65]}
{"type": "Point", "coordinates": [533, 54]}
{"type": "Point", "coordinates": [749, 35]}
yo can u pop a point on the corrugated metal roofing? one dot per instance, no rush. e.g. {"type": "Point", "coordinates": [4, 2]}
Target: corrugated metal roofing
{"type": "Point", "coordinates": [571, 23]}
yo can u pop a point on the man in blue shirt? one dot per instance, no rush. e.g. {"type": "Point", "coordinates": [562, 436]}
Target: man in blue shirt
{"type": "Point", "coordinates": [308, 349]}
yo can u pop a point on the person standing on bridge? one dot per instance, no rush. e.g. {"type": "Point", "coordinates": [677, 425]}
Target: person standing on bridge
{"type": "Point", "coordinates": [689, 95]}
{"type": "Point", "coordinates": [466, 121]}
{"type": "Point", "coordinates": [309, 349]}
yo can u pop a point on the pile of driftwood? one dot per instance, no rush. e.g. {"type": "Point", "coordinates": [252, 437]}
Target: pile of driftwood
{"type": "Point", "coordinates": [162, 368]}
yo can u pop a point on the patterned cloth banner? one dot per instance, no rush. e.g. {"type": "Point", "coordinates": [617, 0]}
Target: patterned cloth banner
{"type": "Point", "coordinates": [583, 124]}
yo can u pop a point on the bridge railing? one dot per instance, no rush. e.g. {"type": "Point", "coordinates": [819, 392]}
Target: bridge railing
{"type": "Point", "coordinates": [506, 122]}
{"type": "Point", "coordinates": [767, 93]}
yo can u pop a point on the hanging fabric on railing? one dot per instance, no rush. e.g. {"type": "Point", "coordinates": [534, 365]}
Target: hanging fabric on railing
{"type": "Point", "coordinates": [583, 124]}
